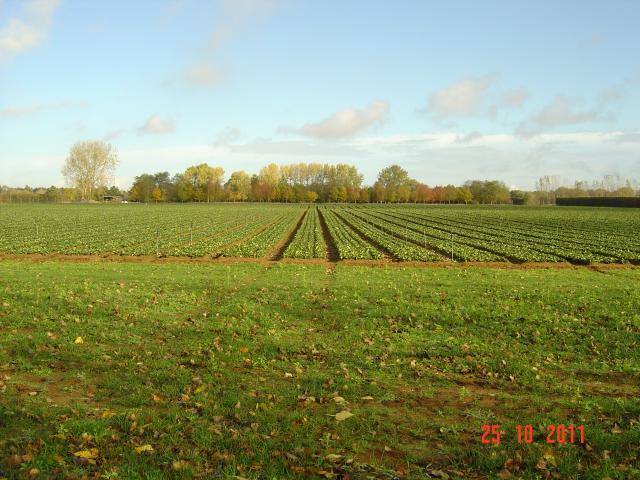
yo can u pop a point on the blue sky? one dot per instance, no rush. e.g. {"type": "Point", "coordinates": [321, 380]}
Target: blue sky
{"type": "Point", "coordinates": [451, 90]}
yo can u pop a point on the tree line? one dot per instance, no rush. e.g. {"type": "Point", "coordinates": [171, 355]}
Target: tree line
{"type": "Point", "coordinates": [306, 182]}
{"type": "Point", "coordinates": [550, 188]}
{"type": "Point", "coordinates": [90, 166]}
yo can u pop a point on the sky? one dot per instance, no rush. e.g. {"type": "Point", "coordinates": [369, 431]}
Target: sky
{"type": "Point", "coordinates": [451, 91]}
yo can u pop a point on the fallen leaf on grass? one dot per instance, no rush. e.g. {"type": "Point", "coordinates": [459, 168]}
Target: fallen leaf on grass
{"type": "Point", "coordinates": [87, 455]}
{"type": "Point", "coordinates": [332, 457]}
{"type": "Point", "coordinates": [439, 474]}
{"type": "Point", "coordinates": [343, 415]}
{"type": "Point", "coordinates": [178, 465]}
{"type": "Point", "coordinates": [144, 449]}
{"type": "Point", "coordinates": [78, 341]}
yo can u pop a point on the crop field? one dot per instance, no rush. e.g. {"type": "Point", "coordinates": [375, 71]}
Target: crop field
{"type": "Point", "coordinates": [284, 370]}
{"type": "Point", "coordinates": [332, 232]}
{"type": "Point", "coordinates": [262, 341]}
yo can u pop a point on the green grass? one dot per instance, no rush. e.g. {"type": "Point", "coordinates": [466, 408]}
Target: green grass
{"type": "Point", "coordinates": [238, 370]}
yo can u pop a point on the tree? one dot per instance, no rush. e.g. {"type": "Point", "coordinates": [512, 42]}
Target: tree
{"type": "Point", "coordinates": [201, 183]}
{"type": "Point", "coordinates": [518, 197]}
{"type": "Point", "coordinates": [89, 165]}
{"type": "Point", "coordinates": [546, 187]}
{"type": "Point", "coordinates": [395, 183]}
{"type": "Point", "coordinates": [266, 185]}
{"type": "Point", "coordinates": [156, 194]}
{"type": "Point", "coordinates": [463, 194]}
{"type": "Point", "coordinates": [238, 186]}
{"type": "Point", "coordinates": [488, 191]}
{"type": "Point", "coordinates": [142, 188]}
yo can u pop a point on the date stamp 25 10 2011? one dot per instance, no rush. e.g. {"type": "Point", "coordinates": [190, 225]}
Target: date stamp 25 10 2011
{"type": "Point", "coordinates": [555, 434]}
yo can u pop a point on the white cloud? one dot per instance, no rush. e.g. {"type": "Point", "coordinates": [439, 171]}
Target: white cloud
{"type": "Point", "coordinates": [227, 137]}
{"type": "Point", "coordinates": [469, 137]}
{"type": "Point", "coordinates": [21, 111]}
{"type": "Point", "coordinates": [462, 99]}
{"type": "Point", "coordinates": [561, 111]}
{"type": "Point", "coordinates": [156, 125]}
{"type": "Point", "coordinates": [204, 75]}
{"type": "Point", "coordinates": [28, 30]}
{"type": "Point", "coordinates": [237, 15]}
{"type": "Point", "coordinates": [171, 9]}
{"type": "Point", "coordinates": [591, 41]}
{"type": "Point", "coordinates": [515, 98]}
{"type": "Point", "coordinates": [565, 111]}
{"type": "Point", "coordinates": [627, 137]}
{"type": "Point", "coordinates": [344, 123]}
{"type": "Point", "coordinates": [618, 91]}
{"type": "Point", "coordinates": [234, 17]}
{"type": "Point", "coordinates": [113, 134]}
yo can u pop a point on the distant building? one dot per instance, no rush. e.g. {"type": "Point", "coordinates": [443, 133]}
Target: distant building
{"type": "Point", "coordinates": [112, 198]}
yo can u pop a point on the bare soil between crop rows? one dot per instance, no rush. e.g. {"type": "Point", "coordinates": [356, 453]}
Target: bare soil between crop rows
{"type": "Point", "coordinates": [150, 259]}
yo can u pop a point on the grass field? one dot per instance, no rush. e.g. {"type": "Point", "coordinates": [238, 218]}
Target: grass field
{"type": "Point", "coordinates": [334, 232]}
{"type": "Point", "coordinates": [281, 370]}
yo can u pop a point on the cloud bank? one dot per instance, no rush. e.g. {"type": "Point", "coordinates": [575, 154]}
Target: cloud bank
{"type": "Point", "coordinates": [462, 99]}
{"type": "Point", "coordinates": [156, 125]}
{"type": "Point", "coordinates": [27, 30]}
{"type": "Point", "coordinates": [344, 123]}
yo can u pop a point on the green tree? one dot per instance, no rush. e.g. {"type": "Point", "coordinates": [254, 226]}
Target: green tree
{"type": "Point", "coordinates": [394, 180]}
{"type": "Point", "coordinates": [202, 183]}
{"type": "Point", "coordinates": [238, 186]}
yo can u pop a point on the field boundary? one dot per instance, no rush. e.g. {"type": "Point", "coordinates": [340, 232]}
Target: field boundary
{"type": "Point", "coordinates": [152, 259]}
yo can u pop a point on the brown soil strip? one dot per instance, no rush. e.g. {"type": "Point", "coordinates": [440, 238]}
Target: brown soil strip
{"type": "Point", "coordinates": [152, 259]}
{"type": "Point", "coordinates": [332, 250]}
{"type": "Point", "coordinates": [286, 241]}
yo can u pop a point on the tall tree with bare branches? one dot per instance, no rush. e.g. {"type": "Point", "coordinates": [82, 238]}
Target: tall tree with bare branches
{"type": "Point", "coordinates": [89, 165]}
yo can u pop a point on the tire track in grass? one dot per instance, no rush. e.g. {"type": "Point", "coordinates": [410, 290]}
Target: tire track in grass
{"type": "Point", "coordinates": [385, 252]}
{"type": "Point", "coordinates": [330, 246]}
{"type": "Point", "coordinates": [283, 245]}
